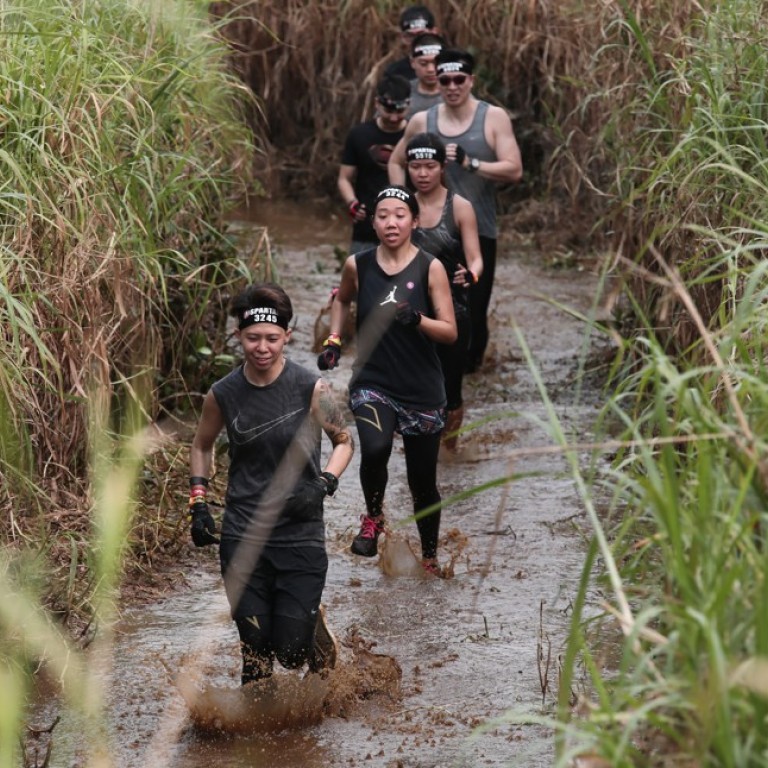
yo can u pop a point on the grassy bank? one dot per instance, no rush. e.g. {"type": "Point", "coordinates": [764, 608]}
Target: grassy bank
{"type": "Point", "coordinates": [122, 140]}
{"type": "Point", "coordinates": [684, 537]}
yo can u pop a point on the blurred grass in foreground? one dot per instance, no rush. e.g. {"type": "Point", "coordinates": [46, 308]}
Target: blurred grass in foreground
{"type": "Point", "coordinates": [122, 141]}
{"type": "Point", "coordinates": [676, 671]}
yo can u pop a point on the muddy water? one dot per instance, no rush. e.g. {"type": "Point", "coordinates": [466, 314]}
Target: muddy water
{"type": "Point", "coordinates": [478, 651]}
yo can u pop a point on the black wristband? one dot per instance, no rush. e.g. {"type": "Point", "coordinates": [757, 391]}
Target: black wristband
{"type": "Point", "coordinates": [197, 480]}
{"type": "Point", "coordinates": [331, 482]}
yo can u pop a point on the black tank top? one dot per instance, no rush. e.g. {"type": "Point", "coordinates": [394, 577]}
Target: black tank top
{"type": "Point", "coordinates": [264, 426]}
{"type": "Point", "coordinates": [398, 361]}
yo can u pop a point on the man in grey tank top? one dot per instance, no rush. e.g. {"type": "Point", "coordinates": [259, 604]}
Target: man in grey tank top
{"type": "Point", "coordinates": [482, 151]}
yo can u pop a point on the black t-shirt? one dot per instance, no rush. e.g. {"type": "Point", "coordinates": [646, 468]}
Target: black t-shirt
{"type": "Point", "coordinates": [368, 148]}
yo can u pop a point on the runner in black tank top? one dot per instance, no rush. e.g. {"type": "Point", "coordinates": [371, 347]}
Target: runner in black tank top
{"type": "Point", "coordinates": [404, 307]}
{"type": "Point", "coordinates": [272, 553]}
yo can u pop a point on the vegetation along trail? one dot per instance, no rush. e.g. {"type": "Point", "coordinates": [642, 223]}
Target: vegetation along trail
{"type": "Point", "coordinates": [477, 652]}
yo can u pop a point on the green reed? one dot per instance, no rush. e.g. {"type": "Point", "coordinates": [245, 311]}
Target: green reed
{"type": "Point", "coordinates": [687, 520]}
{"type": "Point", "coordinates": [122, 142]}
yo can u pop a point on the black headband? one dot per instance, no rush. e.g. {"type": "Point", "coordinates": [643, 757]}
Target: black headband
{"type": "Point", "coordinates": [426, 49]}
{"type": "Point", "coordinates": [425, 153]}
{"type": "Point", "coordinates": [399, 193]}
{"type": "Point", "coordinates": [262, 315]}
{"type": "Point", "coordinates": [419, 22]}
{"type": "Point", "coordinates": [454, 66]}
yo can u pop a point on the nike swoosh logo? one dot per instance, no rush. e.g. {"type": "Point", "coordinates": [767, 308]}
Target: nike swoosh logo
{"type": "Point", "coordinates": [243, 436]}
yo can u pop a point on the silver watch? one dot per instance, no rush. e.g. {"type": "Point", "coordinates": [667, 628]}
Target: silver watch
{"type": "Point", "coordinates": [474, 165]}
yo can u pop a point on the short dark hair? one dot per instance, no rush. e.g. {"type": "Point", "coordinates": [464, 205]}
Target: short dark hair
{"type": "Point", "coordinates": [393, 88]}
{"type": "Point", "coordinates": [262, 295]}
{"type": "Point", "coordinates": [413, 13]}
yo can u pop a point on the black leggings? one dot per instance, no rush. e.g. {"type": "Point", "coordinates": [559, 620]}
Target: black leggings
{"type": "Point", "coordinates": [453, 360]}
{"type": "Point", "coordinates": [274, 602]}
{"type": "Point", "coordinates": [264, 638]}
{"type": "Point", "coordinates": [421, 453]}
{"type": "Point", "coordinates": [479, 300]}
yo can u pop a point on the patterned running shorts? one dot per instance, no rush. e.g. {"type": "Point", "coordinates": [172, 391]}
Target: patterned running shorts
{"type": "Point", "coordinates": [409, 421]}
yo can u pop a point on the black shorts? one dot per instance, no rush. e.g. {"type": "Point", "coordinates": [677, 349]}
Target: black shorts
{"type": "Point", "coordinates": [285, 581]}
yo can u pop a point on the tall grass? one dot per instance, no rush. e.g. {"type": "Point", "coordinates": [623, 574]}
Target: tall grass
{"type": "Point", "coordinates": [687, 524]}
{"type": "Point", "coordinates": [122, 141]}
{"type": "Point", "coordinates": [121, 138]}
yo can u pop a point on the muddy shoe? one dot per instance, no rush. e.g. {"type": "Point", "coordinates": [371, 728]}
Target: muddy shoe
{"type": "Point", "coordinates": [431, 567]}
{"type": "Point", "coordinates": [325, 646]}
{"type": "Point", "coordinates": [365, 543]}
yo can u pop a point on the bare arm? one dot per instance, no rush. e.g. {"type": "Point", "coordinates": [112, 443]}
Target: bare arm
{"type": "Point", "coordinates": [345, 296]}
{"type": "Point", "coordinates": [208, 428]}
{"type": "Point", "coordinates": [442, 327]}
{"type": "Point", "coordinates": [397, 160]}
{"type": "Point", "coordinates": [327, 413]}
{"type": "Point", "coordinates": [346, 183]}
{"type": "Point", "coordinates": [508, 166]}
{"type": "Point", "coordinates": [466, 221]}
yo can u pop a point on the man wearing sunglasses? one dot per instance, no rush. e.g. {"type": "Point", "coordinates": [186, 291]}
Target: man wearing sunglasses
{"type": "Point", "coordinates": [364, 159]}
{"type": "Point", "coordinates": [482, 152]}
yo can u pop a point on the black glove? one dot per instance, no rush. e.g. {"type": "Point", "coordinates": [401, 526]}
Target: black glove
{"type": "Point", "coordinates": [331, 482]}
{"type": "Point", "coordinates": [203, 525]}
{"type": "Point", "coordinates": [354, 208]}
{"type": "Point", "coordinates": [329, 357]}
{"type": "Point", "coordinates": [305, 504]}
{"type": "Point", "coordinates": [460, 154]}
{"type": "Point", "coordinates": [407, 315]}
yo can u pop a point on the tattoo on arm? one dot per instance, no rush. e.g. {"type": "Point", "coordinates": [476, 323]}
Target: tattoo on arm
{"type": "Point", "coordinates": [333, 419]}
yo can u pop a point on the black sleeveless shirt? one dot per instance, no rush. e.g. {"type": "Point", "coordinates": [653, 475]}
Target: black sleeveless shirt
{"type": "Point", "coordinates": [265, 426]}
{"type": "Point", "coordinates": [398, 361]}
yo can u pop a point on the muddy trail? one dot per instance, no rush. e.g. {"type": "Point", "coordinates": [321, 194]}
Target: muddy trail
{"type": "Point", "coordinates": [434, 672]}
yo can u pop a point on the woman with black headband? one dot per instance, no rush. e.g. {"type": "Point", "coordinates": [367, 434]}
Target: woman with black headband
{"type": "Point", "coordinates": [448, 230]}
{"type": "Point", "coordinates": [272, 553]}
{"type": "Point", "coordinates": [404, 308]}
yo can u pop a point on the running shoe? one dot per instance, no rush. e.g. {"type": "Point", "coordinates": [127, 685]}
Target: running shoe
{"type": "Point", "coordinates": [430, 566]}
{"type": "Point", "coordinates": [325, 646]}
{"type": "Point", "coordinates": [365, 543]}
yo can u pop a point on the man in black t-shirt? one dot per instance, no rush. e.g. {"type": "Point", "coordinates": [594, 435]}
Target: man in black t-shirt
{"type": "Point", "coordinates": [363, 171]}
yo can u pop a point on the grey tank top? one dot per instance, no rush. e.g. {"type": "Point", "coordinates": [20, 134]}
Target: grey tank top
{"type": "Point", "coordinates": [443, 241]}
{"type": "Point", "coordinates": [479, 191]}
{"type": "Point", "coordinates": [274, 446]}
{"type": "Point", "coordinates": [420, 102]}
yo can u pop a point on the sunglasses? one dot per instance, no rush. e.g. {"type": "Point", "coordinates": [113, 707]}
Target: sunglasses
{"type": "Point", "coordinates": [393, 106]}
{"type": "Point", "coordinates": [446, 80]}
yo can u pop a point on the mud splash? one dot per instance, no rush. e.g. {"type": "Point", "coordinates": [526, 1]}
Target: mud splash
{"type": "Point", "coordinates": [290, 701]}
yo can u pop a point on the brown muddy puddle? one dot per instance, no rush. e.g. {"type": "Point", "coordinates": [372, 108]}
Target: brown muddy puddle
{"type": "Point", "coordinates": [476, 653]}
